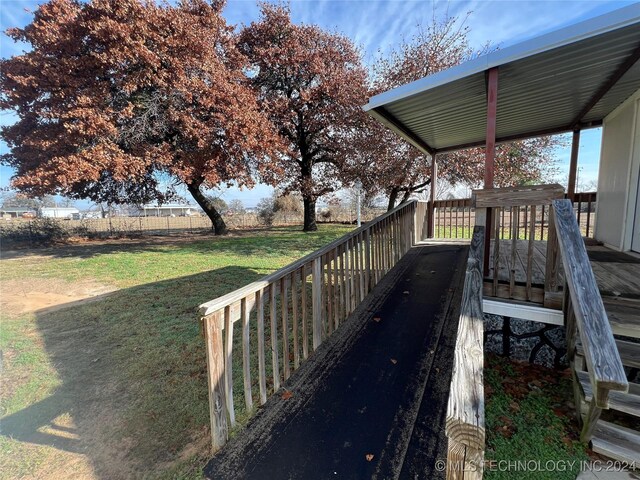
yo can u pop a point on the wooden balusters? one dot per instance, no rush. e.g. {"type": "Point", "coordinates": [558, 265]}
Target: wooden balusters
{"type": "Point", "coordinates": [342, 275]}
{"type": "Point", "coordinates": [246, 354]}
{"type": "Point", "coordinates": [213, 325]}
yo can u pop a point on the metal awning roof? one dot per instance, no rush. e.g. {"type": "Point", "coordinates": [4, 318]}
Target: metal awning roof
{"type": "Point", "coordinates": [568, 79]}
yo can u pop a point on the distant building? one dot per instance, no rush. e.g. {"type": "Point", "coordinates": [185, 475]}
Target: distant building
{"type": "Point", "coordinates": [168, 211]}
{"type": "Point", "coordinates": [16, 212]}
{"type": "Point", "coordinates": [59, 212]}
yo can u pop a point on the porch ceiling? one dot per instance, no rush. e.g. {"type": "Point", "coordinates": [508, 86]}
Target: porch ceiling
{"type": "Point", "coordinates": [554, 83]}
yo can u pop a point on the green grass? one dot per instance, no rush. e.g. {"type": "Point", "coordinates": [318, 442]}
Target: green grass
{"type": "Point", "coordinates": [128, 368]}
{"type": "Point", "coordinates": [125, 375]}
{"type": "Point", "coordinates": [529, 418]}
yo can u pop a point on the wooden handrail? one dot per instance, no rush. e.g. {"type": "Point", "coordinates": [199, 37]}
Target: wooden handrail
{"type": "Point", "coordinates": [601, 354]}
{"type": "Point", "coordinates": [342, 275]}
{"type": "Point", "coordinates": [211, 306]}
{"type": "Point", "coordinates": [517, 196]}
{"type": "Point", "coordinates": [465, 425]}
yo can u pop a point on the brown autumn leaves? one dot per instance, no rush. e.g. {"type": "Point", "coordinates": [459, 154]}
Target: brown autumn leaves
{"type": "Point", "coordinates": [116, 96]}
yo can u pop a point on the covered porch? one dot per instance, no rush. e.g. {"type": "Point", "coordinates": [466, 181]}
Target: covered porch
{"type": "Point", "coordinates": [534, 263]}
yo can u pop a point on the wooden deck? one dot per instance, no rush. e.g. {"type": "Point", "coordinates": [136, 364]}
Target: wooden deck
{"type": "Point", "coordinates": [617, 275]}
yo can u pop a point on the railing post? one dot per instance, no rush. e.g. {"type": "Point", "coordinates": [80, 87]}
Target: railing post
{"type": "Point", "coordinates": [367, 259]}
{"type": "Point", "coordinates": [553, 259]}
{"type": "Point", "coordinates": [213, 325]}
{"type": "Point", "coordinates": [316, 301]}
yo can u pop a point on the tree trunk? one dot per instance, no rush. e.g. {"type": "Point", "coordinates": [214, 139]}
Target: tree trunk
{"type": "Point", "coordinates": [393, 196]}
{"type": "Point", "coordinates": [218, 225]}
{"type": "Point", "coordinates": [407, 194]}
{"type": "Point", "coordinates": [309, 214]}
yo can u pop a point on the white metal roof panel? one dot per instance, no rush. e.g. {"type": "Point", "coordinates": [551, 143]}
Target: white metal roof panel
{"type": "Point", "coordinates": [544, 84]}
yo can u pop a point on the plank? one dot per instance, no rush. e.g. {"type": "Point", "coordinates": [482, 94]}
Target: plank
{"type": "Point", "coordinates": [295, 320]}
{"type": "Point", "coordinates": [284, 306]}
{"type": "Point", "coordinates": [516, 196]}
{"type": "Point", "coordinates": [624, 316]}
{"type": "Point", "coordinates": [551, 279]}
{"type": "Point", "coordinates": [519, 293]}
{"type": "Point", "coordinates": [316, 301]}
{"type": "Point", "coordinates": [367, 260]}
{"type": "Point", "coordinates": [515, 215]}
{"type": "Point", "coordinates": [215, 373]}
{"type": "Point", "coordinates": [623, 402]}
{"type": "Point", "coordinates": [246, 355]}
{"type": "Point", "coordinates": [228, 366]}
{"type": "Point", "coordinates": [329, 283]}
{"type": "Point", "coordinates": [464, 462]}
{"type": "Point", "coordinates": [616, 442]}
{"type": "Point", "coordinates": [496, 252]}
{"type": "Point", "coordinates": [275, 364]}
{"type": "Point", "coordinates": [262, 376]}
{"type": "Point", "coordinates": [305, 323]}
{"type": "Point", "coordinates": [603, 361]}
{"type": "Point", "coordinates": [465, 410]}
{"type": "Point", "coordinates": [336, 290]}
{"type": "Point", "coordinates": [629, 352]}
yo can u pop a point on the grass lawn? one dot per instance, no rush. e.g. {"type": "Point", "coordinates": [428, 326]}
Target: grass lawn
{"type": "Point", "coordinates": [529, 417]}
{"type": "Point", "coordinates": [116, 387]}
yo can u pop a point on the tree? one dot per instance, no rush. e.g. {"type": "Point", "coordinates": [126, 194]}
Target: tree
{"type": "Point", "coordinates": [312, 84]}
{"type": "Point", "coordinates": [287, 205]}
{"type": "Point", "coordinates": [387, 164]}
{"type": "Point", "coordinates": [219, 204]}
{"type": "Point", "coordinates": [236, 206]}
{"type": "Point", "coordinates": [115, 94]}
{"type": "Point", "coordinates": [266, 211]}
{"type": "Point", "coordinates": [16, 199]}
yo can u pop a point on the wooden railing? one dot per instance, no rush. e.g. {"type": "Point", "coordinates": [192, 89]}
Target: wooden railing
{"type": "Point", "coordinates": [455, 218]}
{"type": "Point", "coordinates": [465, 426]}
{"type": "Point", "coordinates": [586, 318]}
{"type": "Point", "coordinates": [514, 266]}
{"type": "Point", "coordinates": [287, 315]}
{"type": "Point", "coordinates": [584, 205]}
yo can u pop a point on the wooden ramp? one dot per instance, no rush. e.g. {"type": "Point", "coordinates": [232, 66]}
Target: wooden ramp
{"type": "Point", "coordinates": [371, 401]}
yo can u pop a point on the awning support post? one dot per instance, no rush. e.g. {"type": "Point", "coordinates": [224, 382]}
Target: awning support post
{"type": "Point", "coordinates": [434, 180]}
{"type": "Point", "coordinates": [573, 165]}
{"type": "Point", "coordinates": [490, 154]}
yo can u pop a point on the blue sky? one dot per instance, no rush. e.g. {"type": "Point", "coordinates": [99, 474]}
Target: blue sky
{"type": "Point", "coordinates": [379, 26]}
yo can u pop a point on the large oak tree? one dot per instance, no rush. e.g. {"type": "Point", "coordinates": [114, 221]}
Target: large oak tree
{"type": "Point", "coordinates": [115, 95]}
{"type": "Point", "coordinates": [388, 165]}
{"type": "Point", "coordinates": [312, 84]}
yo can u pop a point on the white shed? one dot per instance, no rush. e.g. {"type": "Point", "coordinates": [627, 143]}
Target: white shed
{"type": "Point", "coordinates": [59, 212]}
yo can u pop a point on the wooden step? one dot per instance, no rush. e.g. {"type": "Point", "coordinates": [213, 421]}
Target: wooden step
{"type": "Point", "coordinates": [624, 315]}
{"type": "Point", "coordinates": [629, 352]}
{"type": "Point", "coordinates": [623, 402]}
{"type": "Point", "coordinates": [616, 442]}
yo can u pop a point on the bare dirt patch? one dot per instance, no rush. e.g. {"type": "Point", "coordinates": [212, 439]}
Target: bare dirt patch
{"type": "Point", "coordinates": [19, 296]}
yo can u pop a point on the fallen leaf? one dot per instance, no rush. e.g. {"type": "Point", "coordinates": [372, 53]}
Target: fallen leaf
{"type": "Point", "coordinates": [376, 319]}
{"type": "Point", "coordinates": [394, 361]}
{"type": "Point", "coordinates": [286, 395]}
{"type": "Point", "coordinates": [369, 457]}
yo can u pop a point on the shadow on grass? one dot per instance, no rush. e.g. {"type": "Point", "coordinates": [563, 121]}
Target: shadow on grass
{"type": "Point", "coordinates": [133, 376]}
